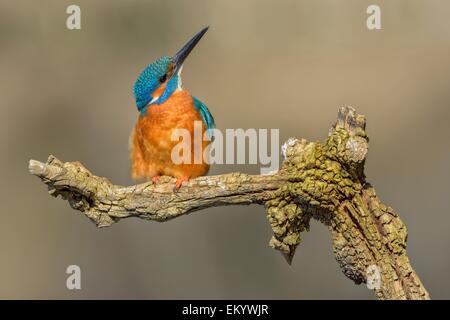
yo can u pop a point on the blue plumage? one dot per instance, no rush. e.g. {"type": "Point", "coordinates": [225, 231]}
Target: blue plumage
{"type": "Point", "coordinates": [148, 82]}
{"type": "Point", "coordinates": [207, 117]}
{"type": "Point", "coordinates": [171, 86]}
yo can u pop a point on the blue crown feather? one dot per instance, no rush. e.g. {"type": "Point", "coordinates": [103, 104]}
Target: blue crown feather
{"type": "Point", "coordinates": [148, 82]}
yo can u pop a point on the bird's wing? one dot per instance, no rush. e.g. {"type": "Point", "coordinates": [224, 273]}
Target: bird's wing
{"type": "Point", "coordinates": [207, 117]}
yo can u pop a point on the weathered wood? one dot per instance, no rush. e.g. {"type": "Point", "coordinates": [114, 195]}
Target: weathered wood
{"type": "Point", "coordinates": [324, 181]}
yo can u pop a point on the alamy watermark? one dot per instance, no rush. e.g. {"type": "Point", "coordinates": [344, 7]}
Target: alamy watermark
{"type": "Point", "coordinates": [236, 146]}
{"type": "Point", "coordinates": [73, 21]}
{"type": "Point", "coordinates": [73, 281]}
{"type": "Point", "coordinates": [373, 21]}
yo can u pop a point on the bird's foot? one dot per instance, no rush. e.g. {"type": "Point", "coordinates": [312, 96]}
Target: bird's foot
{"type": "Point", "coordinates": [179, 183]}
{"type": "Point", "coordinates": [156, 179]}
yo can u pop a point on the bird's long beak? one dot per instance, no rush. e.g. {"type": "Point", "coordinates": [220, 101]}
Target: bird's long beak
{"type": "Point", "coordinates": [181, 55]}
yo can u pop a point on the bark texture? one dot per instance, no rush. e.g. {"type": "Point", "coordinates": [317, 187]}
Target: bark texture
{"type": "Point", "coordinates": [320, 180]}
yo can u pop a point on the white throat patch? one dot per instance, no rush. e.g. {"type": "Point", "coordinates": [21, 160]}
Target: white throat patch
{"type": "Point", "coordinates": [179, 78]}
{"type": "Point", "coordinates": [153, 100]}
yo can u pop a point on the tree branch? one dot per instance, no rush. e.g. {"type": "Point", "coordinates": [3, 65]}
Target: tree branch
{"type": "Point", "coordinates": [317, 180]}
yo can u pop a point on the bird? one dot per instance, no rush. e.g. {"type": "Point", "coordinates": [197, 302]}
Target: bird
{"type": "Point", "coordinates": [164, 105]}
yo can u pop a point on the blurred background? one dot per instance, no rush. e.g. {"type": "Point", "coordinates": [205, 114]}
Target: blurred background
{"type": "Point", "coordinates": [284, 64]}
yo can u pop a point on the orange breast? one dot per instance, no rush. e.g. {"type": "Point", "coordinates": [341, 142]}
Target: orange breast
{"type": "Point", "coordinates": [151, 144]}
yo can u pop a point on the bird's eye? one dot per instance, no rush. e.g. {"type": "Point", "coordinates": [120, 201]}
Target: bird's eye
{"type": "Point", "coordinates": [163, 78]}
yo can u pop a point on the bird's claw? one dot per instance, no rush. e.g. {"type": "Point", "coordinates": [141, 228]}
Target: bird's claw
{"type": "Point", "coordinates": [156, 179]}
{"type": "Point", "coordinates": [179, 183]}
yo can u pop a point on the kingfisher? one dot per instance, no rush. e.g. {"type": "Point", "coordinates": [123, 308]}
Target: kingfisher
{"type": "Point", "coordinates": [164, 106]}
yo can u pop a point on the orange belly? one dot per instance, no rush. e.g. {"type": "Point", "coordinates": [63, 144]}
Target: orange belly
{"type": "Point", "coordinates": [151, 145]}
